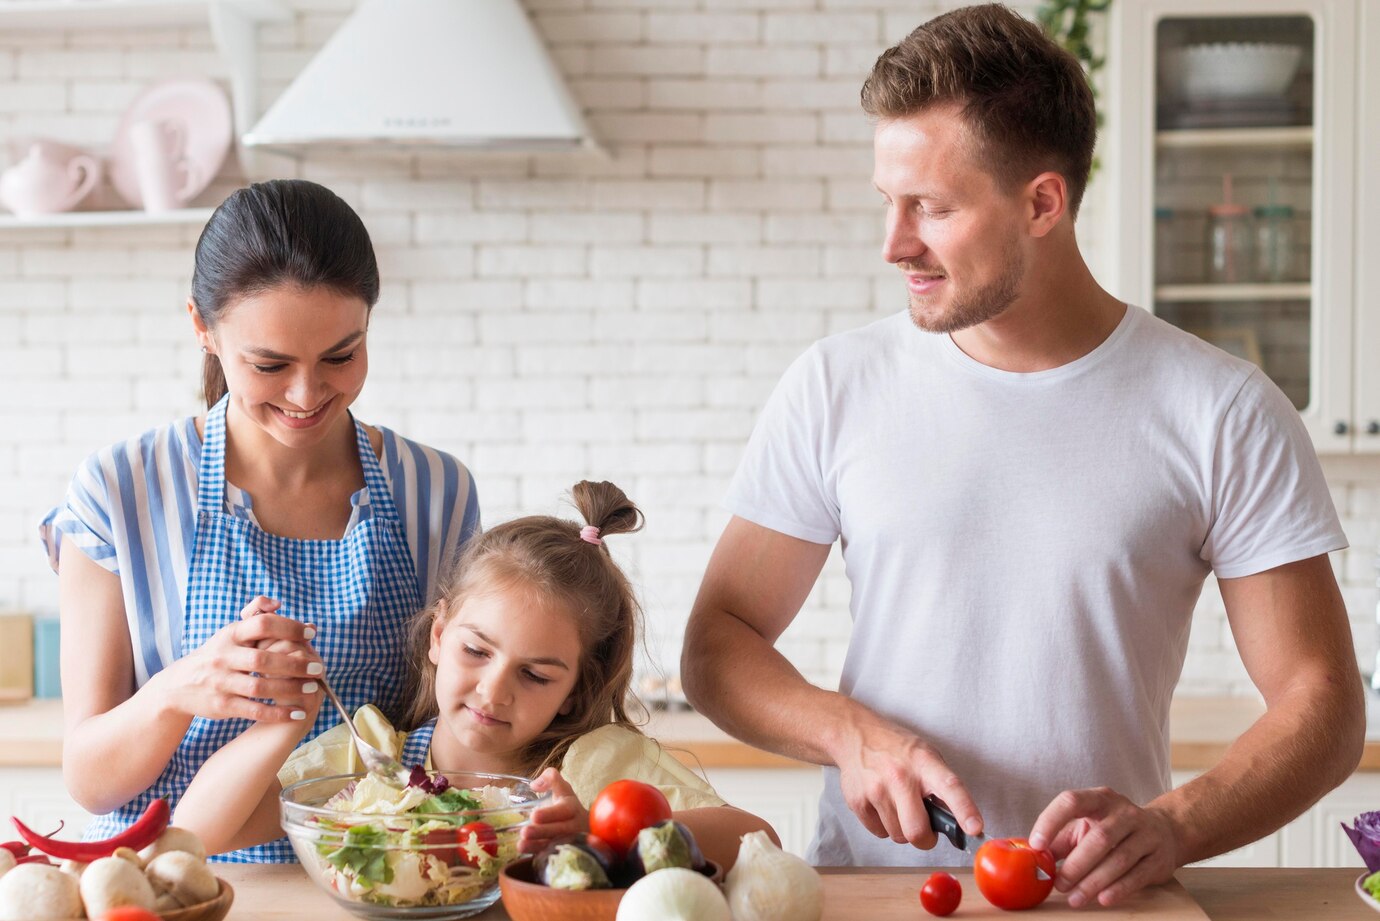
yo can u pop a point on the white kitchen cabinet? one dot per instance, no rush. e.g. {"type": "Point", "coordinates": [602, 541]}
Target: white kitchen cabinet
{"type": "Point", "coordinates": [1173, 149]}
{"type": "Point", "coordinates": [38, 797]}
{"type": "Point", "coordinates": [788, 798]}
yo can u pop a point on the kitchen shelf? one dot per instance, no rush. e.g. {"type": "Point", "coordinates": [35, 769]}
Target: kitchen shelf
{"type": "Point", "coordinates": [107, 218]}
{"type": "Point", "coordinates": [1273, 138]}
{"type": "Point", "coordinates": [1300, 291]}
{"type": "Point", "coordinates": [232, 22]}
{"type": "Point", "coordinates": [124, 14]}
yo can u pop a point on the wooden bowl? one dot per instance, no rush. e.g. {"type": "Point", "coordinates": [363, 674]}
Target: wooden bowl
{"type": "Point", "coordinates": [214, 910]}
{"type": "Point", "coordinates": [526, 899]}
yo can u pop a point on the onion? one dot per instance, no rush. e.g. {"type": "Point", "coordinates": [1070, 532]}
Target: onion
{"type": "Point", "coordinates": [674, 894]}
{"type": "Point", "coordinates": [768, 884]}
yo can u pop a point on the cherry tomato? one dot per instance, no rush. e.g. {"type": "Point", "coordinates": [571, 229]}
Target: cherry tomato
{"type": "Point", "coordinates": [1004, 870]}
{"type": "Point", "coordinates": [129, 913]}
{"type": "Point", "coordinates": [941, 894]}
{"type": "Point", "coordinates": [481, 833]}
{"type": "Point", "coordinates": [624, 808]}
{"type": "Point", "coordinates": [448, 844]}
{"type": "Point", "coordinates": [440, 843]}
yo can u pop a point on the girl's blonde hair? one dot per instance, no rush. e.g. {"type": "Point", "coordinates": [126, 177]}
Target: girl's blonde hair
{"type": "Point", "coordinates": [547, 555]}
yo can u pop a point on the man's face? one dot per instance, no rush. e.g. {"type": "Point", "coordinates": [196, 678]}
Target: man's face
{"type": "Point", "coordinates": [953, 232]}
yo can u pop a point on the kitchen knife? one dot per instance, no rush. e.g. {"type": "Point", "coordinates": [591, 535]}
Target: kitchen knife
{"type": "Point", "coordinates": [944, 823]}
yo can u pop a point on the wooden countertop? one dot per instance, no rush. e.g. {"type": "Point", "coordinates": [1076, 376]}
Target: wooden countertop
{"type": "Point", "coordinates": [1201, 728]}
{"type": "Point", "coordinates": [280, 893]}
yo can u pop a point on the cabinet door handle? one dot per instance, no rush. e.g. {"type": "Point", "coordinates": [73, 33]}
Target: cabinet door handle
{"type": "Point", "coordinates": [1373, 428]}
{"type": "Point", "coordinates": [1341, 428]}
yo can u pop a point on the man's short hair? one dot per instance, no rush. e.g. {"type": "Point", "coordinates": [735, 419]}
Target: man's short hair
{"type": "Point", "coordinates": [1026, 101]}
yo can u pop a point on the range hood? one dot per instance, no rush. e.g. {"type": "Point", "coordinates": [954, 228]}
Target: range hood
{"type": "Point", "coordinates": [427, 73]}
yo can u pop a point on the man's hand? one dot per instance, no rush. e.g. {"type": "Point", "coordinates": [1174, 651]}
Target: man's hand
{"type": "Point", "coordinates": [1110, 847]}
{"type": "Point", "coordinates": [885, 774]}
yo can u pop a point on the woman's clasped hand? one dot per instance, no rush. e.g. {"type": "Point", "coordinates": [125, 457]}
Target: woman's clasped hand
{"type": "Point", "coordinates": [260, 667]}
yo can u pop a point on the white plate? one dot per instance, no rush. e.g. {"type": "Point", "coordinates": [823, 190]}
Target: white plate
{"type": "Point", "coordinates": [1366, 896]}
{"type": "Point", "coordinates": [199, 108]}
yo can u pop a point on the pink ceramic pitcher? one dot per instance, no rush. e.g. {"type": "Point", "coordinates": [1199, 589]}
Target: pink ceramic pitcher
{"type": "Point", "coordinates": [49, 179]}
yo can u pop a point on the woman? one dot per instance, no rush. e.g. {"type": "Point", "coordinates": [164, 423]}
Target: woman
{"type": "Point", "coordinates": [188, 551]}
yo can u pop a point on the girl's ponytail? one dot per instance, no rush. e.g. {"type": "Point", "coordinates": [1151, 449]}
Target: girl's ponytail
{"type": "Point", "coordinates": [606, 507]}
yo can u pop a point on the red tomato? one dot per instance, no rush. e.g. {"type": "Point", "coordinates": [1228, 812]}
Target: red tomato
{"type": "Point", "coordinates": [624, 808]}
{"type": "Point", "coordinates": [1005, 873]}
{"type": "Point", "coordinates": [481, 833]}
{"type": "Point", "coordinates": [440, 843]}
{"type": "Point", "coordinates": [941, 894]}
{"type": "Point", "coordinates": [129, 913]}
{"type": "Point", "coordinates": [448, 844]}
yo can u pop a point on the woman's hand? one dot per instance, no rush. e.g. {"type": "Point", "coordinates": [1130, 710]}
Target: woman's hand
{"type": "Point", "coordinates": [222, 678]}
{"type": "Point", "coordinates": [562, 816]}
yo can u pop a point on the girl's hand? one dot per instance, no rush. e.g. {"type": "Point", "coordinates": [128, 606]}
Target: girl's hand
{"type": "Point", "coordinates": [563, 816]}
{"type": "Point", "coordinates": [220, 679]}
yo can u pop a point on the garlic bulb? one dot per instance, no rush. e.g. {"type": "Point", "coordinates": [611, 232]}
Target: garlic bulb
{"type": "Point", "coordinates": [768, 884]}
{"type": "Point", "coordinates": [674, 894]}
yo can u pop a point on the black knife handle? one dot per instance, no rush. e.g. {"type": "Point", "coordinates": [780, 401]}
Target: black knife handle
{"type": "Point", "coordinates": [943, 821]}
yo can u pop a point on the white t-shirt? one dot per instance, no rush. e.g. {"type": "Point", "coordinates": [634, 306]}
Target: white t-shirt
{"type": "Point", "coordinates": [1025, 550]}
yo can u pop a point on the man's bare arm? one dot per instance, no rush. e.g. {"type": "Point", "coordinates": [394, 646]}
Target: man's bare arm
{"type": "Point", "coordinates": [754, 587]}
{"type": "Point", "coordinates": [1291, 628]}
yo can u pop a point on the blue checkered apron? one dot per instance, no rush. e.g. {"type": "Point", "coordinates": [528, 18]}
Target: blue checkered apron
{"type": "Point", "coordinates": [359, 591]}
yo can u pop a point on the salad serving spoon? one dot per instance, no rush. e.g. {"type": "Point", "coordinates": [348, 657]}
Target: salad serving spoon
{"type": "Point", "coordinates": [378, 763]}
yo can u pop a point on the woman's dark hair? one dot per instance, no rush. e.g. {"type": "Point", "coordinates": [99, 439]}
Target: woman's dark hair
{"type": "Point", "coordinates": [547, 556]}
{"type": "Point", "coordinates": [280, 232]}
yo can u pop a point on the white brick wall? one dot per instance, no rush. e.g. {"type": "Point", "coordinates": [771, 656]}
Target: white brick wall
{"type": "Point", "coordinates": [545, 318]}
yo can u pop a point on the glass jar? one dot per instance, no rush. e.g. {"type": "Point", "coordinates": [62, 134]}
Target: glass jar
{"type": "Point", "coordinates": [1229, 244]}
{"type": "Point", "coordinates": [1164, 247]}
{"type": "Point", "coordinates": [1276, 253]}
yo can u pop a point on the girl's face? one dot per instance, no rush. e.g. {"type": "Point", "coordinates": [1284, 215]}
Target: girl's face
{"type": "Point", "coordinates": [294, 358]}
{"type": "Point", "coordinates": [506, 663]}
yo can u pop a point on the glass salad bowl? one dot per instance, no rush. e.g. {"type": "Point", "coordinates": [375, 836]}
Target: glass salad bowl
{"type": "Point", "coordinates": [432, 850]}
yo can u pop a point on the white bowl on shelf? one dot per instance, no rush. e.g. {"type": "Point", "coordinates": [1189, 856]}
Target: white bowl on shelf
{"type": "Point", "coordinates": [1232, 70]}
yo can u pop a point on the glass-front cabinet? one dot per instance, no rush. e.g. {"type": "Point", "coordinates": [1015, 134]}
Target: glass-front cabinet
{"type": "Point", "coordinates": [1232, 140]}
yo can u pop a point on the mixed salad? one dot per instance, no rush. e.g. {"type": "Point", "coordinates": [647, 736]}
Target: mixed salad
{"type": "Point", "coordinates": [1364, 833]}
{"type": "Point", "coordinates": [430, 843]}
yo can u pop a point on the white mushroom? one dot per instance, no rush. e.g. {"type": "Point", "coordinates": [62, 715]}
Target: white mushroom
{"type": "Point", "coordinates": [174, 839]}
{"type": "Point", "coordinates": [73, 867]}
{"type": "Point", "coordinates": [7, 861]}
{"type": "Point", "coordinates": [182, 876]}
{"type": "Point", "coordinates": [36, 892]}
{"type": "Point", "coordinates": [112, 882]}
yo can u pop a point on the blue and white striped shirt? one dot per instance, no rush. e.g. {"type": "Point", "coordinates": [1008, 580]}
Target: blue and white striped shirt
{"type": "Point", "coordinates": [132, 509]}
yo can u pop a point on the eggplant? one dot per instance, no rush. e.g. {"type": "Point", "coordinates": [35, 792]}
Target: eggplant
{"type": "Point", "coordinates": [666, 844]}
{"type": "Point", "coordinates": [576, 862]}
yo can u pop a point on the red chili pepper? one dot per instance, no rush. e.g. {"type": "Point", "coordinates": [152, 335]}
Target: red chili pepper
{"type": "Point", "coordinates": [138, 836]}
{"type": "Point", "coordinates": [17, 848]}
{"type": "Point", "coordinates": [35, 858]}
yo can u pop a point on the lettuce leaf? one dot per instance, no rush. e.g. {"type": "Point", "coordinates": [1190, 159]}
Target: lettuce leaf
{"type": "Point", "coordinates": [363, 852]}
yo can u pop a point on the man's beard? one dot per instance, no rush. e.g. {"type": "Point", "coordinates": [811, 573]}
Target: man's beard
{"type": "Point", "coordinates": [976, 307]}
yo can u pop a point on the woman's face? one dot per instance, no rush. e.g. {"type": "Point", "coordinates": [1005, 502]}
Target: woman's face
{"type": "Point", "coordinates": [294, 358]}
{"type": "Point", "coordinates": [506, 663]}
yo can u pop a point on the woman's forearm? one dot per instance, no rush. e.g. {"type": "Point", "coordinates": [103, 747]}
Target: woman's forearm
{"type": "Point", "coordinates": [110, 758]}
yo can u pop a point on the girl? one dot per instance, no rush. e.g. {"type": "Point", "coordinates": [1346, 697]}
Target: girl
{"type": "Point", "coordinates": [277, 491]}
{"type": "Point", "coordinates": [522, 667]}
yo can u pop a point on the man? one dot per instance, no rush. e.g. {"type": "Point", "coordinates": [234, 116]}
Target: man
{"type": "Point", "coordinates": [1031, 482]}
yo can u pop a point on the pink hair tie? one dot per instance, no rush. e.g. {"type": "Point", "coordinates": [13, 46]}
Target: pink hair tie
{"type": "Point", "coordinates": [590, 533]}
